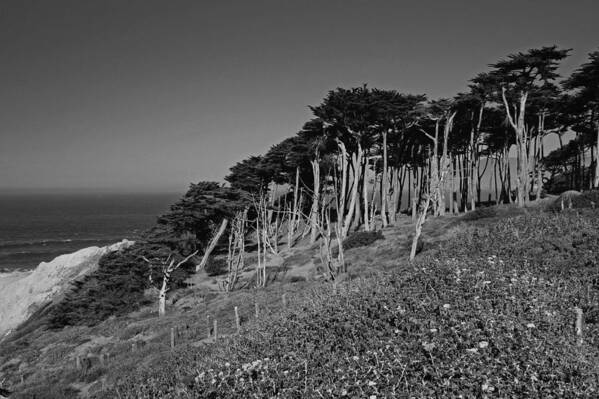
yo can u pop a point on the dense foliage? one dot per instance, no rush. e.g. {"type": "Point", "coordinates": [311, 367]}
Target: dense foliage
{"type": "Point", "coordinates": [362, 239]}
{"type": "Point", "coordinates": [117, 286]}
{"type": "Point", "coordinates": [488, 314]}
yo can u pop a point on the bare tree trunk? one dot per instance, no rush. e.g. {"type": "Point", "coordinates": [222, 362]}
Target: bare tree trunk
{"type": "Point", "coordinates": [445, 164]}
{"type": "Point", "coordinates": [419, 223]}
{"type": "Point", "coordinates": [495, 179]}
{"type": "Point", "coordinates": [357, 160]}
{"type": "Point", "coordinates": [162, 297]}
{"type": "Point", "coordinates": [479, 176]}
{"type": "Point", "coordinates": [365, 197]}
{"type": "Point", "coordinates": [409, 172]}
{"type": "Point", "coordinates": [452, 185]}
{"type": "Point", "coordinates": [315, 200]}
{"type": "Point", "coordinates": [343, 193]}
{"type": "Point", "coordinates": [521, 146]}
{"type": "Point", "coordinates": [294, 216]}
{"type": "Point", "coordinates": [236, 251]}
{"type": "Point", "coordinates": [470, 171]}
{"type": "Point", "coordinates": [596, 182]}
{"type": "Point", "coordinates": [261, 249]}
{"type": "Point", "coordinates": [168, 267]}
{"type": "Point", "coordinates": [384, 183]}
{"type": "Point", "coordinates": [415, 196]}
{"type": "Point", "coordinates": [540, 171]}
{"type": "Point", "coordinates": [396, 188]}
{"type": "Point", "coordinates": [215, 237]}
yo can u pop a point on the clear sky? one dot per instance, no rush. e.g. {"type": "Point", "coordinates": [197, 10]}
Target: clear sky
{"type": "Point", "coordinates": [152, 95]}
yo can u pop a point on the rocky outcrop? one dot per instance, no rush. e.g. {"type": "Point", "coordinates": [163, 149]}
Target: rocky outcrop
{"type": "Point", "coordinates": [22, 293]}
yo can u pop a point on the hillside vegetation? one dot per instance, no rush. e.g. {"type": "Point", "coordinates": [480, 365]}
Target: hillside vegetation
{"type": "Point", "coordinates": [490, 313]}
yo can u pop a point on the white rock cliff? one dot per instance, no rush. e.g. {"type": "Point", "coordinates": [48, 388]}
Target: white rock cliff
{"type": "Point", "coordinates": [22, 293]}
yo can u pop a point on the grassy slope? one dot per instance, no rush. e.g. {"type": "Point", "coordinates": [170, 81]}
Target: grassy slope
{"type": "Point", "coordinates": [488, 312]}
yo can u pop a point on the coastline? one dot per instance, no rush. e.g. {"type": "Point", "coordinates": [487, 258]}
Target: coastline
{"type": "Point", "coordinates": [9, 278]}
{"type": "Point", "coordinates": [22, 292]}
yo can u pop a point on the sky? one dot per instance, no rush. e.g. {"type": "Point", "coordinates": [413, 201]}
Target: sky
{"type": "Point", "coordinates": [152, 95]}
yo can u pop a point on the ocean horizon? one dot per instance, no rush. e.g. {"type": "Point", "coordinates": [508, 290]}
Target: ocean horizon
{"type": "Point", "coordinates": [37, 227]}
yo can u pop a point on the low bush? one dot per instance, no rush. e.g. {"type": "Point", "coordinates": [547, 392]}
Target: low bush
{"type": "Point", "coordinates": [587, 199]}
{"type": "Point", "coordinates": [362, 239]}
{"type": "Point", "coordinates": [481, 213]}
{"type": "Point", "coordinates": [216, 266]}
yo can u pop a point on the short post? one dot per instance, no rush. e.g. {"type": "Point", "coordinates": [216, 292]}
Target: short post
{"type": "Point", "coordinates": [578, 324]}
{"type": "Point", "coordinates": [237, 321]}
{"type": "Point", "coordinates": [172, 337]}
{"type": "Point", "coordinates": [284, 297]}
{"type": "Point", "coordinates": [78, 362]}
{"type": "Point", "coordinates": [257, 309]}
{"type": "Point", "coordinates": [215, 330]}
{"type": "Point", "coordinates": [209, 325]}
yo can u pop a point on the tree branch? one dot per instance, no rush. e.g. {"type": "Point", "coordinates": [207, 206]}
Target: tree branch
{"type": "Point", "coordinates": [507, 108]}
{"type": "Point", "coordinates": [428, 135]}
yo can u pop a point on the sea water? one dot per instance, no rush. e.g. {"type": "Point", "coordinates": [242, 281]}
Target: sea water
{"type": "Point", "coordinates": [38, 227]}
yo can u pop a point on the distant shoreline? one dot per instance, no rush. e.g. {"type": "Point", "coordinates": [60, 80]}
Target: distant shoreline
{"type": "Point", "coordinates": [36, 228]}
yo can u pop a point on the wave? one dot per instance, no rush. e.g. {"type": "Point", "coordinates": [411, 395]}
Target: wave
{"type": "Point", "coordinates": [54, 241]}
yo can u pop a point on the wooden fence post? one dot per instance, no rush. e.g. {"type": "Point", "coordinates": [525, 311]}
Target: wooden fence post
{"type": "Point", "coordinates": [209, 326]}
{"type": "Point", "coordinates": [257, 309]}
{"type": "Point", "coordinates": [284, 297]}
{"type": "Point", "coordinates": [215, 330]}
{"type": "Point", "coordinates": [237, 321]}
{"type": "Point", "coordinates": [578, 324]}
{"type": "Point", "coordinates": [78, 362]}
{"type": "Point", "coordinates": [172, 337]}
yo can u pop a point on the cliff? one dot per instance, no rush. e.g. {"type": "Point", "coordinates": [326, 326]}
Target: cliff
{"type": "Point", "coordinates": [22, 293]}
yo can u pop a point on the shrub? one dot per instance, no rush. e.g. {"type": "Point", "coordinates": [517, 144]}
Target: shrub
{"type": "Point", "coordinates": [216, 266]}
{"type": "Point", "coordinates": [480, 213]}
{"type": "Point", "coordinates": [588, 199]}
{"type": "Point", "coordinates": [362, 239]}
{"type": "Point", "coordinates": [297, 279]}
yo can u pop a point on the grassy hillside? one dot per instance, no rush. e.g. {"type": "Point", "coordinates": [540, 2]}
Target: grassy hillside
{"type": "Point", "coordinates": [487, 310]}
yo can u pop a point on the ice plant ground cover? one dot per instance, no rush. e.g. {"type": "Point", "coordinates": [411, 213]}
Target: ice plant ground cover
{"type": "Point", "coordinates": [488, 313]}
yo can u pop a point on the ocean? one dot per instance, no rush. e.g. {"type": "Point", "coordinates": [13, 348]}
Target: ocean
{"type": "Point", "coordinates": [37, 228]}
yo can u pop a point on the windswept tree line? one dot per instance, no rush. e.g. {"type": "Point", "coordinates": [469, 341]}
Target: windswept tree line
{"type": "Point", "coordinates": [368, 155]}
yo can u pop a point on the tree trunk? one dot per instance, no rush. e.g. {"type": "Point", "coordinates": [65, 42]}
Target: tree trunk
{"type": "Point", "coordinates": [539, 165]}
{"type": "Point", "coordinates": [315, 200]}
{"type": "Point", "coordinates": [445, 165]}
{"type": "Point", "coordinates": [294, 217]}
{"type": "Point", "coordinates": [470, 171]}
{"type": "Point", "coordinates": [384, 183]}
{"type": "Point", "coordinates": [357, 160]}
{"type": "Point", "coordinates": [367, 205]}
{"type": "Point", "coordinates": [212, 245]}
{"type": "Point", "coordinates": [419, 223]}
{"type": "Point", "coordinates": [162, 296]}
{"type": "Point", "coordinates": [415, 194]}
{"type": "Point", "coordinates": [596, 182]}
